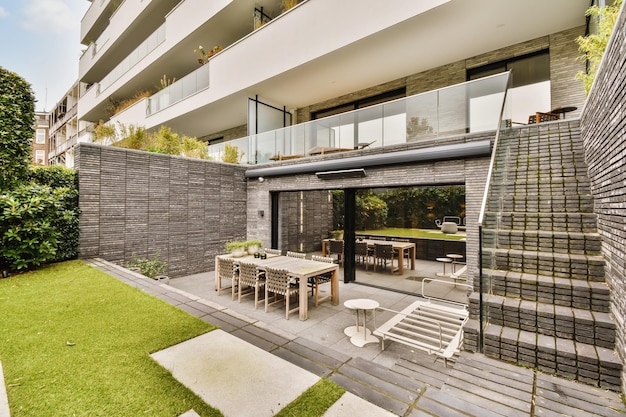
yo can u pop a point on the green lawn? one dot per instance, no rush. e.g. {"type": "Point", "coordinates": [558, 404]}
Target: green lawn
{"type": "Point", "coordinates": [75, 342]}
{"type": "Point", "coordinates": [417, 233]}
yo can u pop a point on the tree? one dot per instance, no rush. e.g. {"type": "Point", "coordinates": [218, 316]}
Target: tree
{"type": "Point", "coordinates": [17, 118]}
{"type": "Point", "coordinates": [592, 46]}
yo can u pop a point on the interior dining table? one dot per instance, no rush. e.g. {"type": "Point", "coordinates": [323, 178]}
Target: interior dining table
{"type": "Point", "coordinates": [400, 247]}
{"type": "Point", "coordinates": [301, 269]}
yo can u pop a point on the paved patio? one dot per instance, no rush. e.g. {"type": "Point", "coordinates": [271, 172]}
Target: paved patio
{"type": "Point", "coordinates": [403, 381]}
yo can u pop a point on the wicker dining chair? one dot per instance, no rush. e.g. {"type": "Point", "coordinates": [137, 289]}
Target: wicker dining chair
{"type": "Point", "coordinates": [314, 282]}
{"type": "Point", "coordinates": [279, 282]}
{"type": "Point", "coordinates": [362, 253]}
{"type": "Point", "coordinates": [250, 276]}
{"type": "Point", "coordinates": [272, 251]}
{"type": "Point", "coordinates": [383, 252]}
{"type": "Point", "coordinates": [335, 247]}
{"type": "Point", "coordinates": [405, 254]}
{"type": "Point", "coordinates": [228, 271]}
{"type": "Point", "coordinates": [297, 255]}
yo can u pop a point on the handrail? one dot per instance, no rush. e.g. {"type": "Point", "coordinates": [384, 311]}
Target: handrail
{"type": "Point", "coordinates": [492, 162]}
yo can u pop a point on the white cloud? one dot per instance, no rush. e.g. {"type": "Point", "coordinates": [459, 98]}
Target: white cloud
{"type": "Point", "coordinates": [3, 13]}
{"type": "Point", "coordinates": [48, 16]}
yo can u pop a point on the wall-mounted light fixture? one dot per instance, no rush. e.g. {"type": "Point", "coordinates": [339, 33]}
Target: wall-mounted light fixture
{"type": "Point", "coordinates": [261, 213]}
{"type": "Point", "coordinates": [344, 173]}
{"type": "Point", "coordinates": [261, 179]}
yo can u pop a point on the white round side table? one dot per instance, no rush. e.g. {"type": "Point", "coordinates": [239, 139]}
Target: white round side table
{"type": "Point", "coordinates": [361, 335]}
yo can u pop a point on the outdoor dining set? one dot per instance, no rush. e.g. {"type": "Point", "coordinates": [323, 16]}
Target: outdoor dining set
{"type": "Point", "coordinates": [276, 278]}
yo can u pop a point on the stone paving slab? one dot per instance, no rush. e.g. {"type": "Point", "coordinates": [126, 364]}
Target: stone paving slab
{"type": "Point", "coordinates": [4, 401]}
{"type": "Point", "coordinates": [234, 376]}
{"type": "Point", "coordinates": [349, 405]}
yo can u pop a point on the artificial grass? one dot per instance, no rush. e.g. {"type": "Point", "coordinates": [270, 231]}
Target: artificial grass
{"type": "Point", "coordinates": [76, 342]}
{"type": "Point", "coordinates": [418, 233]}
{"type": "Point", "coordinates": [314, 401]}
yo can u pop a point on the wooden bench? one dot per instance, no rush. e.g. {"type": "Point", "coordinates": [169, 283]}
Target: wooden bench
{"type": "Point", "coordinates": [431, 325]}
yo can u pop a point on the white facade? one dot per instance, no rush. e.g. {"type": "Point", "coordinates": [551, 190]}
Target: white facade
{"type": "Point", "coordinates": [316, 51]}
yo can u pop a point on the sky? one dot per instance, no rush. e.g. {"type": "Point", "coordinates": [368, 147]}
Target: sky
{"type": "Point", "coordinates": [40, 41]}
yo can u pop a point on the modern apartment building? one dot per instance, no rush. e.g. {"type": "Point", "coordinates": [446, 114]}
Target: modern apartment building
{"type": "Point", "coordinates": [274, 68]}
{"type": "Point", "coordinates": [263, 68]}
{"type": "Point", "coordinates": [40, 141]}
{"type": "Point", "coordinates": [65, 129]}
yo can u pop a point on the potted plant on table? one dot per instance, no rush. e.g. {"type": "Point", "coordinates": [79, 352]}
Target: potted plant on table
{"type": "Point", "coordinates": [253, 246]}
{"type": "Point", "coordinates": [236, 249]}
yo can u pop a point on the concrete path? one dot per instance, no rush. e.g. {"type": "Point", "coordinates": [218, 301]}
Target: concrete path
{"type": "Point", "coordinates": [398, 379]}
{"type": "Point", "coordinates": [234, 376]}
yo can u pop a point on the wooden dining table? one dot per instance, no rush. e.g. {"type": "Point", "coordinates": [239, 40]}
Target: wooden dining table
{"type": "Point", "coordinates": [301, 269]}
{"type": "Point", "coordinates": [400, 247]}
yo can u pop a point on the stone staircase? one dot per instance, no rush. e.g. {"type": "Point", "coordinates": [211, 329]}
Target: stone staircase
{"type": "Point", "coordinates": [547, 305]}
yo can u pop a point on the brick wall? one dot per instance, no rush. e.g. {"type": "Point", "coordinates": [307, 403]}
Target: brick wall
{"type": "Point", "coordinates": [603, 128]}
{"type": "Point", "coordinates": [471, 172]}
{"type": "Point", "coordinates": [182, 209]}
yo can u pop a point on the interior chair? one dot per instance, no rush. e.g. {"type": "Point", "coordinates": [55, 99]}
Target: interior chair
{"type": "Point", "coordinates": [335, 247]}
{"type": "Point", "coordinates": [250, 276]}
{"type": "Point", "coordinates": [272, 251]}
{"type": "Point", "coordinates": [297, 255]}
{"type": "Point", "coordinates": [229, 270]}
{"type": "Point", "coordinates": [405, 254]}
{"type": "Point", "coordinates": [540, 117]}
{"type": "Point", "coordinates": [324, 278]}
{"type": "Point", "coordinates": [362, 253]}
{"type": "Point", "coordinates": [383, 252]}
{"type": "Point", "coordinates": [279, 282]}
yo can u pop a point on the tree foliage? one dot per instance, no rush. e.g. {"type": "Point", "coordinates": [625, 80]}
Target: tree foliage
{"type": "Point", "coordinates": [415, 207]}
{"type": "Point", "coordinates": [593, 45]}
{"type": "Point", "coordinates": [17, 118]}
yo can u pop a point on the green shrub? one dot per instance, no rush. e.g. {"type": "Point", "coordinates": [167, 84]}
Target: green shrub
{"type": "Point", "coordinates": [146, 266]}
{"type": "Point", "coordinates": [17, 118]}
{"type": "Point", "coordinates": [27, 215]}
{"type": "Point", "coordinates": [66, 223]}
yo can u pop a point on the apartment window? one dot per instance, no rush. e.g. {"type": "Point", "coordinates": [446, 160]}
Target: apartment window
{"type": "Point", "coordinates": [529, 89]}
{"type": "Point", "coordinates": [370, 128]}
{"type": "Point", "coordinates": [359, 104]}
{"type": "Point", "coordinates": [40, 157]}
{"type": "Point", "coordinates": [40, 137]}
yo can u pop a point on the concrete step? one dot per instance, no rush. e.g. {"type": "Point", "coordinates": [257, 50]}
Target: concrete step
{"type": "Point", "coordinates": [560, 265]}
{"type": "Point", "coordinates": [541, 203]}
{"type": "Point", "coordinates": [584, 326]}
{"type": "Point", "coordinates": [566, 292]}
{"type": "Point", "coordinates": [544, 241]}
{"type": "Point", "coordinates": [545, 221]}
{"type": "Point", "coordinates": [566, 358]}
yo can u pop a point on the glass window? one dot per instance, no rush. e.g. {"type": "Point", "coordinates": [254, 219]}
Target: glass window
{"type": "Point", "coordinates": [40, 137]}
{"type": "Point", "coordinates": [530, 84]}
{"type": "Point", "coordinates": [40, 157]}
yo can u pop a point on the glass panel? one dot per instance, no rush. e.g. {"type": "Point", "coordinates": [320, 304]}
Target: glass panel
{"type": "Point", "coordinates": [473, 106]}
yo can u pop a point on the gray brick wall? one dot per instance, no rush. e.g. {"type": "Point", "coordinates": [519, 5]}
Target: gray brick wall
{"type": "Point", "coordinates": [471, 172]}
{"type": "Point", "coordinates": [182, 209]}
{"type": "Point", "coordinates": [603, 128]}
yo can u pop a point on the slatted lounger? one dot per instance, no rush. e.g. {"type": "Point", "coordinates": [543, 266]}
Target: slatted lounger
{"type": "Point", "coordinates": [427, 325]}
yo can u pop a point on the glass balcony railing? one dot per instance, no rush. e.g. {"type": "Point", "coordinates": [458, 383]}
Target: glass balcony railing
{"type": "Point", "coordinates": [183, 88]}
{"type": "Point", "coordinates": [470, 107]}
{"type": "Point", "coordinates": [155, 39]}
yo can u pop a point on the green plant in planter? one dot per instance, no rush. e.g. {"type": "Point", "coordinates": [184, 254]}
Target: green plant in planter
{"type": "Point", "coordinates": [253, 246]}
{"type": "Point", "coordinates": [231, 246]}
{"type": "Point", "coordinates": [146, 266]}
